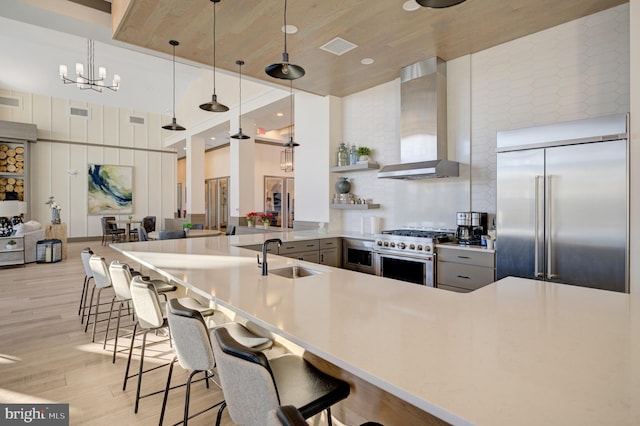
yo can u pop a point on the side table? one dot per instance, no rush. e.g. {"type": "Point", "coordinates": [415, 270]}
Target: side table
{"type": "Point", "coordinates": [11, 254]}
{"type": "Point", "coordinates": [57, 232]}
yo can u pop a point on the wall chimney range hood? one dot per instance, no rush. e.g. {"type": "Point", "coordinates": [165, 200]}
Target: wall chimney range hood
{"type": "Point", "coordinates": [423, 124]}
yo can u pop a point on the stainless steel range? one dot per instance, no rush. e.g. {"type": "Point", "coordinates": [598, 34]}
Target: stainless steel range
{"type": "Point", "coordinates": [408, 254]}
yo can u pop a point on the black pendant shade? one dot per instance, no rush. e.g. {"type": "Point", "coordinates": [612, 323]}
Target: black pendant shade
{"type": "Point", "coordinates": [214, 105]}
{"type": "Point", "coordinates": [284, 70]}
{"type": "Point", "coordinates": [174, 124]}
{"type": "Point", "coordinates": [290, 143]}
{"type": "Point", "coordinates": [438, 4]}
{"type": "Point", "coordinates": [240, 135]}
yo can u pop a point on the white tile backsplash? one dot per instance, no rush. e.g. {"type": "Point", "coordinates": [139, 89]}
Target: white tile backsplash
{"type": "Point", "coordinates": [576, 70]}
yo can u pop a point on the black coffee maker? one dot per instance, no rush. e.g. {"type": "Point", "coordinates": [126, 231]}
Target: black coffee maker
{"type": "Point", "coordinates": [471, 227]}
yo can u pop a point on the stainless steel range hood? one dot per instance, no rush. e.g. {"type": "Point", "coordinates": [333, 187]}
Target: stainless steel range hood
{"type": "Point", "coordinates": [423, 124]}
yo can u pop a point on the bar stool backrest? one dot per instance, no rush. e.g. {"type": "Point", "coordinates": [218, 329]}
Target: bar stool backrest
{"type": "Point", "coordinates": [85, 255]}
{"type": "Point", "coordinates": [247, 381]}
{"type": "Point", "coordinates": [146, 304]}
{"type": "Point", "coordinates": [121, 280]}
{"type": "Point", "coordinates": [100, 271]}
{"type": "Point", "coordinates": [190, 337]}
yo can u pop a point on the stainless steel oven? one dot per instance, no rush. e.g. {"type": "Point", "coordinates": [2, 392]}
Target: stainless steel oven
{"type": "Point", "coordinates": [357, 255]}
{"type": "Point", "coordinates": [403, 267]}
{"type": "Point", "coordinates": [408, 254]}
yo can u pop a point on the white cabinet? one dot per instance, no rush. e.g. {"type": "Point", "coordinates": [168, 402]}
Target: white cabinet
{"type": "Point", "coordinates": [11, 254]}
{"type": "Point", "coordinates": [464, 269]}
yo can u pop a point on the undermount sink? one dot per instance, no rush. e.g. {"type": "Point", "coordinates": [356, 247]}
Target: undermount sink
{"type": "Point", "coordinates": [294, 272]}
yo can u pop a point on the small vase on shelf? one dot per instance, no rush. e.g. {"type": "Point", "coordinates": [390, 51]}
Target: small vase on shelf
{"type": "Point", "coordinates": [266, 225]}
{"type": "Point", "coordinates": [250, 223]}
{"type": "Point", "coordinates": [343, 186]}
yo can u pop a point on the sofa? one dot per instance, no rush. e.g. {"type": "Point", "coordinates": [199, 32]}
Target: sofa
{"type": "Point", "coordinates": [32, 232]}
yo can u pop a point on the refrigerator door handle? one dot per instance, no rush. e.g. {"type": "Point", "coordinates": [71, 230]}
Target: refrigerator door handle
{"type": "Point", "coordinates": [536, 225]}
{"type": "Point", "coordinates": [549, 233]}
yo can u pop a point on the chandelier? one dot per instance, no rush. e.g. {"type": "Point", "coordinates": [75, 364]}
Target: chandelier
{"type": "Point", "coordinates": [89, 79]}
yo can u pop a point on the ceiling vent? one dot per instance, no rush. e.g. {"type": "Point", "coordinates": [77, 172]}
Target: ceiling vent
{"type": "Point", "coordinates": [338, 46]}
{"type": "Point", "coordinates": [79, 112]}
{"type": "Point", "coordinates": [11, 102]}
{"type": "Point", "coordinates": [136, 120]}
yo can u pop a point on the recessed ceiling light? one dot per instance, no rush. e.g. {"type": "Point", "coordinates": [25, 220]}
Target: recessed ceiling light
{"type": "Point", "coordinates": [289, 29]}
{"type": "Point", "coordinates": [213, 138]}
{"type": "Point", "coordinates": [411, 5]}
{"type": "Point", "coordinates": [366, 61]}
{"type": "Point", "coordinates": [280, 114]}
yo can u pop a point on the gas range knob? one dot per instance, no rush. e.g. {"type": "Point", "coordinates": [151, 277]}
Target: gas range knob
{"type": "Point", "coordinates": [427, 248]}
{"type": "Point", "coordinates": [386, 244]}
{"type": "Point", "coordinates": [412, 246]}
{"type": "Point", "coordinates": [392, 244]}
{"type": "Point", "coordinates": [379, 243]}
{"type": "Point", "coordinates": [401, 246]}
{"type": "Point", "coordinates": [419, 247]}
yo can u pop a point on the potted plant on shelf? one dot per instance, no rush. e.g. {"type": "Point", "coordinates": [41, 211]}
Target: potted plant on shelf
{"type": "Point", "coordinates": [11, 244]}
{"type": "Point", "coordinates": [363, 154]}
{"type": "Point", "coordinates": [187, 227]}
{"type": "Point", "coordinates": [251, 219]}
{"type": "Point", "coordinates": [265, 218]}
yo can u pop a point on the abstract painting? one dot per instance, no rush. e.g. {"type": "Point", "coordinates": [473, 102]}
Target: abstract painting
{"type": "Point", "coordinates": [110, 189]}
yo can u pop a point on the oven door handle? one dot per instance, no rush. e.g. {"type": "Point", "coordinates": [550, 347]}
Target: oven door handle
{"type": "Point", "coordinates": [428, 258]}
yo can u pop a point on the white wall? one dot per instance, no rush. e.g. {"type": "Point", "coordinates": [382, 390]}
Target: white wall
{"type": "Point", "coordinates": [576, 70]}
{"type": "Point", "coordinates": [318, 127]}
{"type": "Point", "coordinates": [372, 118]}
{"type": "Point", "coordinates": [267, 163]}
{"type": "Point", "coordinates": [154, 172]}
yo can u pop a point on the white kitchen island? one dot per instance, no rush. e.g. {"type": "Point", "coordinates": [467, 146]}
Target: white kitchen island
{"type": "Point", "coordinates": [516, 352]}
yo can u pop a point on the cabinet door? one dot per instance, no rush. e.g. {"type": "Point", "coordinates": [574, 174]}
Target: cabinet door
{"type": "Point", "coordinates": [330, 257]}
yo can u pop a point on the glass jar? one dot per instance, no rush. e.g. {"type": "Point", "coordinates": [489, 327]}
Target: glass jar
{"type": "Point", "coordinates": [353, 155]}
{"type": "Point", "coordinates": [343, 155]}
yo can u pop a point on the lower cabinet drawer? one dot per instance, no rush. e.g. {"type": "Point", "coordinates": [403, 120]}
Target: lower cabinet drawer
{"type": "Point", "coordinates": [307, 256]}
{"type": "Point", "coordinates": [298, 246]}
{"type": "Point", "coordinates": [469, 257]}
{"type": "Point", "coordinates": [464, 276]}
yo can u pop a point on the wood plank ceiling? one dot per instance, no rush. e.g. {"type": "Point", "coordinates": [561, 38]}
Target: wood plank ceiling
{"type": "Point", "coordinates": [251, 30]}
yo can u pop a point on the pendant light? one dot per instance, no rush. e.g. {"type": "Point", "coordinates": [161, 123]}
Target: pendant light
{"type": "Point", "coordinates": [214, 105]}
{"type": "Point", "coordinates": [240, 135]}
{"type": "Point", "coordinates": [286, 156]}
{"type": "Point", "coordinates": [174, 124]}
{"type": "Point", "coordinates": [284, 69]}
{"type": "Point", "coordinates": [438, 4]}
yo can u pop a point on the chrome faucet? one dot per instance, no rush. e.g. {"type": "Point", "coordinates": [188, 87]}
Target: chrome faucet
{"type": "Point", "coordinates": [263, 264]}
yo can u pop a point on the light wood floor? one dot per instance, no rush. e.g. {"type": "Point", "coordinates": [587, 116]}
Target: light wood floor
{"type": "Point", "coordinates": [45, 355]}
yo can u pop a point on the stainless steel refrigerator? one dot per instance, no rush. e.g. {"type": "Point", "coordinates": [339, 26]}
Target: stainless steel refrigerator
{"type": "Point", "coordinates": [562, 203]}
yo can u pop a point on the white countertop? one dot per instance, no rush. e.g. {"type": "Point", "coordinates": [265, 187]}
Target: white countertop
{"type": "Point", "coordinates": [516, 352]}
